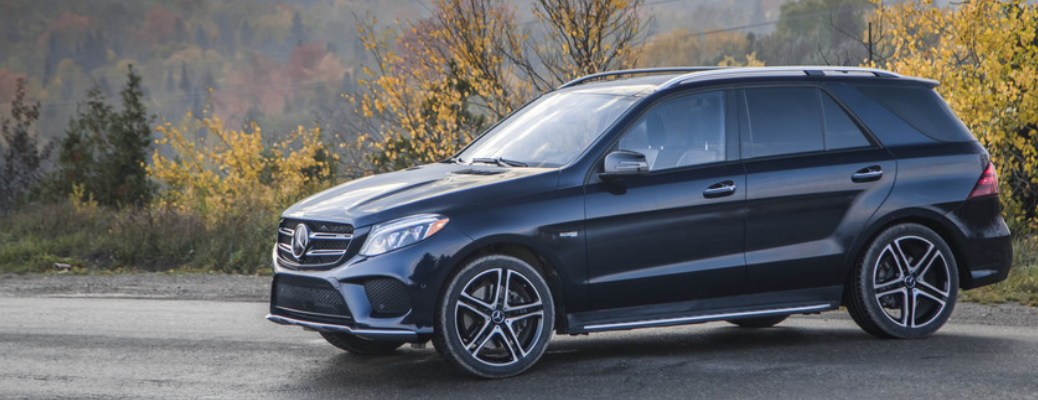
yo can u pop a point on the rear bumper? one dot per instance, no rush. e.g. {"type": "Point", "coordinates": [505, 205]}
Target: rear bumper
{"type": "Point", "coordinates": [985, 244]}
{"type": "Point", "coordinates": [988, 260]}
{"type": "Point", "coordinates": [373, 334]}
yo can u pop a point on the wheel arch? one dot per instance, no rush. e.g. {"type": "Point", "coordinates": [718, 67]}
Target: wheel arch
{"type": "Point", "coordinates": [928, 218]}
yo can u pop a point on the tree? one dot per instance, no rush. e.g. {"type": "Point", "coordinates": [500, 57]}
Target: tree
{"type": "Point", "coordinates": [23, 154]}
{"type": "Point", "coordinates": [185, 82]}
{"type": "Point", "coordinates": [817, 32]}
{"type": "Point", "coordinates": [104, 151]}
{"type": "Point", "coordinates": [985, 54]}
{"type": "Point", "coordinates": [436, 81]}
{"type": "Point", "coordinates": [82, 148]}
{"type": "Point", "coordinates": [245, 35]}
{"type": "Point", "coordinates": [130, 139]}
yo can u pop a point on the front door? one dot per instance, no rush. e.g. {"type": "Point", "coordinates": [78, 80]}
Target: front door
{"type": "Point", "coordinates": [676, 234]}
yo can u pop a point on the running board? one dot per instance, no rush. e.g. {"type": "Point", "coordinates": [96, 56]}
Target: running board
{"type": "Point", "coordinates": [708, 317]}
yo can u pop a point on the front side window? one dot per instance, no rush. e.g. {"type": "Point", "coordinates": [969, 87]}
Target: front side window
{"type": "Point", "coordinates": [688, 130]}
{"type": "Point", "coordinates": [551, 131]}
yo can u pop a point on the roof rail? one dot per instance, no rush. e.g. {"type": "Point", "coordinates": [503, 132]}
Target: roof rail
{"type": "Point", "coordinates": [806, 70]}
{"type": "Point", "coordinates": [600, 75]}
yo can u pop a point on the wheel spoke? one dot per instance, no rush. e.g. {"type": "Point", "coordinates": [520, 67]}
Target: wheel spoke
{"type": "Point", "coordinates": [524, 311]}
{"type": "Point", "coordinates": [475, 305]}
{"type": "Point", "coordinates": [904, 267]}
{"type": "Point", "coordinates": [889, 286]}
{"type": "Point", "coordinates": [927, 259]}
{"type": "Point", "coordinates": [898, 267]}
{"type": "Point", "coordinates": [932, 293]}
{"type": "Point", "coordinates": [514, 347]}
{"type": "Point", "coordinates": [480, 340]}
{"type": "Point", "coordinates": [910, 307]}
{"type": "Point", "coordinates": [903, 294]}
{"type": "Point", "coordinates": [927, 287]}
{"type": "Point", "coordinates": [498, 294]}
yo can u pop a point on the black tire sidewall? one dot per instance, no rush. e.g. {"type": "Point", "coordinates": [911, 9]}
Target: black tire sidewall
{"type": "Point", "coordinates": [446, 338]}
{"type": "Point", "coordinates": [870, 309]}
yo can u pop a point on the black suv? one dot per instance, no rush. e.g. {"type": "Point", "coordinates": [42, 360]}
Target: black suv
{"type": "Point", "coordinates": [647, 198]}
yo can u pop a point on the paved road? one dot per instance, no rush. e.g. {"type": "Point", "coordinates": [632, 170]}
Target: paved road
{"type": "Point", "coordinates": [135, 348]}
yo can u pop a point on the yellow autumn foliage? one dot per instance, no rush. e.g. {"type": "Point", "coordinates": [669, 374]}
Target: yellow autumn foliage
{"type": "Point", "coordinates": [985, 54]}
{"type": "Point", "coordinates": [233, 172]}
{"type": "Point", "coordinates": [436, 82]}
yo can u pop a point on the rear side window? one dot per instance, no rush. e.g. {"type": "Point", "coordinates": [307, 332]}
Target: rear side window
{"type": "Point", "coordinates": [782, 121]}
{"type": "Point", "coordinates": [922, 108]}
{"type": "Point", "coordinates": [796, 120]}
{"type": "Point", "coordinates": [840, 131]}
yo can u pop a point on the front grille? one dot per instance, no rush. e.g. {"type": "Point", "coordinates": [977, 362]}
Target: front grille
{"type": "Point", "coordinates": [388, 297]}
{"type": "Point", "coordinates": [310, 299]}
{"type": "Point", "coordinates": [328, 243]}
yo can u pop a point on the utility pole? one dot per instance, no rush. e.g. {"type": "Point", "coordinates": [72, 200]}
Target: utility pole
{"type": "Point", "coordinates": [870, 43]}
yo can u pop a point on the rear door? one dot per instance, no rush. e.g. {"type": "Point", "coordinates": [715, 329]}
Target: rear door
{"type": "Point", "coordinates": [814, 177]}
{"type": "Point", "coordinates": [676, 234]}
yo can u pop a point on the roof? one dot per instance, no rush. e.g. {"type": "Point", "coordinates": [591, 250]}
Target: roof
{"type": "Point", "coordinates": [635, 81]}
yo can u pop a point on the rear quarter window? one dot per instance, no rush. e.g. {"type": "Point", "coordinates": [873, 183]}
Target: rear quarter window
{"type": "Point", "coordinates": [922, 108]}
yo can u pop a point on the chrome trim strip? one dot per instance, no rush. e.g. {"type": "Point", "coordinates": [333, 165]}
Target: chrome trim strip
{"type": "Point", "coordinates": [325, 252]}
{"type": "Point", "coordinates": [331, 236]}
{"type": "Point", "coordinates": [704, 318]}
{"type": "Point", "coordinates": [373, 334]}
{"type": "Point", "coordinates": [286, 231]}
{"type": "Point", "coordinates": [583, 79]}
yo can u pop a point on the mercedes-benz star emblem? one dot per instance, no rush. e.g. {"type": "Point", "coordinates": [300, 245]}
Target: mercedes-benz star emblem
{"type": "Point", "coordinates": [300, 241]}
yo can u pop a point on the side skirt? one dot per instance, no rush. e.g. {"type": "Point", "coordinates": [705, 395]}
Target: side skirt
{"type": "Point", "coordinates": [698, 311]}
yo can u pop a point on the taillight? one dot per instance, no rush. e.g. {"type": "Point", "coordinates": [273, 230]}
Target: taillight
{"type": "Point", "coordinates": [987, 185]}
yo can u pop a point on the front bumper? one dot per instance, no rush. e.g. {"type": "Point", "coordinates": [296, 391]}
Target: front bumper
{"type": "Point", "coordinates": [373, 334]}
{"type": "Point", "coordinates": [388, 297]}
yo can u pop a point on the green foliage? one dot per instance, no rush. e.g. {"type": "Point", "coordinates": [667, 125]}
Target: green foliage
{"type": "Point", "coordinates": [23, 155]}
{"type": "Point", "coordinates": [104, 151]}
{"type": "Point", "coordinates": [92, 238]}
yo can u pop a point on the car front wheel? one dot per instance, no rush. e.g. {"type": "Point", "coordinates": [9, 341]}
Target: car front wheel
{"type": "Point", "coordinates": [905, 285]}
{"type": "Point", "coordinates": [495, 317]}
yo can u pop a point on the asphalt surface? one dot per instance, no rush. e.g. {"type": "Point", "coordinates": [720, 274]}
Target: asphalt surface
{"type": "Point", "coordinates": [121, 343]}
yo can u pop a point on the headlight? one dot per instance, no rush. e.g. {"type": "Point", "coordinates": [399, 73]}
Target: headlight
{"type": "Point", "coordinates": [402, 232]}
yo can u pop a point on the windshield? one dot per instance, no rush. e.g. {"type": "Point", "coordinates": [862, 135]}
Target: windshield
{"type": "Point", "coordinates": [549, 132]}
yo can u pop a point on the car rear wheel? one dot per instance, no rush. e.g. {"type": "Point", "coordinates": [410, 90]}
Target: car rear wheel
{"type": "Point", "coordinates": [758, 322]}
{"type": "Point", "coordinates": [495, 317]}
{"type": "Point", "coordinates": [905, 285]}
{"type": "Point", "coordinates": [360, 346]}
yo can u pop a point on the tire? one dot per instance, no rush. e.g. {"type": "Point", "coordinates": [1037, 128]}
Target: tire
{"type": "Point", "coordinates": [492, 333]}
{"type": "Point", "coordinates": [758, 322]}
{"type": "Point", "coordinates": [905, 284]}
{"type": "Point", "coordinates": [360, 346]}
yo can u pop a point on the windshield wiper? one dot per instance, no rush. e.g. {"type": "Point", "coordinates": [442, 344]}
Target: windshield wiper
{"type": "Point", "coordinates": [504, 162]}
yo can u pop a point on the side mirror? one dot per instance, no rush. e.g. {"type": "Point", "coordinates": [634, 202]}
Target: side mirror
{"type": "Point", "coordinates": [622, 163]}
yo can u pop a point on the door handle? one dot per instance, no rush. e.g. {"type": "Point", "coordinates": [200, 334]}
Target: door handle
{"type": "Point", "coordinates": [719, 189]}
{"type": "Point", "coordinates": [867, 174]}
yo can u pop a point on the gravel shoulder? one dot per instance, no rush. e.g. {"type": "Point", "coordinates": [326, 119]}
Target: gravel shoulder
{"type": "Point", "coordinates": [250, 288]}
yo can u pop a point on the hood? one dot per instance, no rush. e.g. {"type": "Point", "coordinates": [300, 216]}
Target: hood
{"type": "Point", "coordinates": [431, 188]}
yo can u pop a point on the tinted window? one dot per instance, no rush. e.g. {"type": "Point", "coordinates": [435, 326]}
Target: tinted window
{"type": "Point", "coordinates": [782, 121]}
{"type": "Point", "coordinates": [685, 131]}
{"type": "Point", "coordinates": [840, 131]}
{"type": "Point", "coordinates": [922, 108]}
